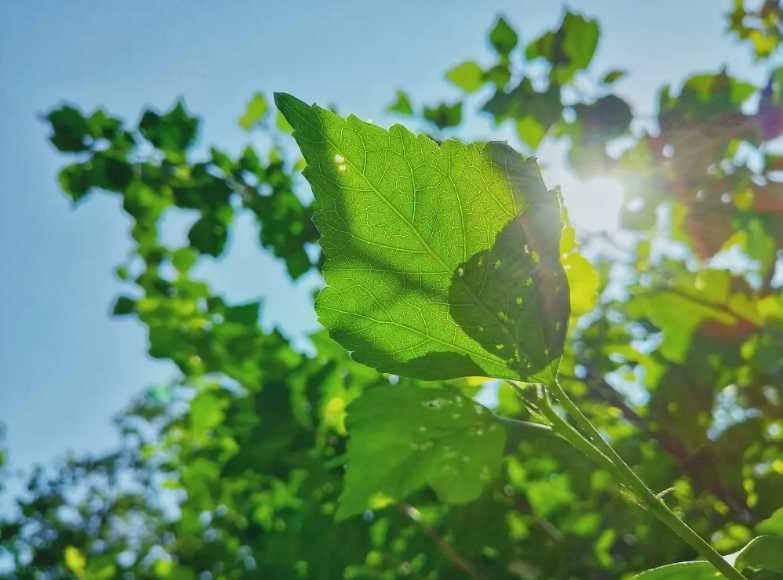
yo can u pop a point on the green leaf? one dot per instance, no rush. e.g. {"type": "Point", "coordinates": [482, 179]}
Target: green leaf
{"type": "Point", "coordinates": [441, 261]}
{"type": "Point", "coordinates": [172, 133]}
{"type": "Point", "coordinates": [680, 571]}
{"type": "Point", "coordinates": [530, 131]}
{"type": "Point", "coordinates": [678, 316]}
{"type": "Point", "coordinates": [503, 37]}
{"type": "Point", "coordinates": [603, 120]}
{"type": "Point", "coordinates": [772, 525]}
{"type": "Point", "coordinates": [536, 111]}
{"type": "Point", "coordinates": [762, 553]}
{"type": "Point", "coordinates": [444, 115]}
{"type": "Point", "coordinates": [71, 133]}
{"type": "Point", "coordinates": [569, 49]}
{"type": "Point", "coordinates": [210, 233]}
{"type": "Point", "coordinates": [124, 306]}
{"type": "Point", "coordinates": [580, 39]}
{"type": "Point", "coordinates": [468, 76]}
{"type": "Point", "coordinates": [401, 105]}
{"type": "Point", "coordinates": [206, 411]}
{"type": "Point", "coordinates": [75, 180]}
{"type": "Point", "coordinates": [110, 172]}
{"type": "Point", "coordinates": [255, 112]}
{"type": "Point", "coordinates": [613, 76]}
{"type": "Point", "coordinates": [75, 561]}
{"type": "Point", "coordinates": [403, 438]}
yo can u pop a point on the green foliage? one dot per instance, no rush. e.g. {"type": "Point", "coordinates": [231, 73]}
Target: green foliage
{"type": "Point", "coordinates": [674, 357]}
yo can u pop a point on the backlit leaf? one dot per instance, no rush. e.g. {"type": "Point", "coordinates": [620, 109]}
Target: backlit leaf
{"type": "Point", "coordinates": [468, 76]}
{"type": "Point", "coordinates": [442, 261]}
{"type": "Point", "coordinates": [256, 110]}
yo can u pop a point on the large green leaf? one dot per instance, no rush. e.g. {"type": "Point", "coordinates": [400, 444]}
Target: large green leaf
{"type": "Point", "coordinates": [403, 438]}
{"type": "Point", "coordinates": [442, 261]}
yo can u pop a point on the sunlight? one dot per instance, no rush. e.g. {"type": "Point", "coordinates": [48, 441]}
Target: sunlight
{"type": "Point", "coordinates": [592, 205]}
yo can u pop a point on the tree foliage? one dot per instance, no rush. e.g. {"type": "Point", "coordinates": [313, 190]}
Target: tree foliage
{"type": "Point", "coordinates": [237, 469]}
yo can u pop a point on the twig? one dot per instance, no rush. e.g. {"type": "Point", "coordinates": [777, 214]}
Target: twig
{"type": "Point", "coordinates": [599, 387]}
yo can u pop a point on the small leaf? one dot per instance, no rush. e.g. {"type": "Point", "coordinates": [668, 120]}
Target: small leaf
{"type": "Point", "coordinates": [183, 259]}
{"type": "Point", "coordinates": [75, 180]}
{"type": "Point", "coordinates": [403, 438]}
{"type": "Point", "coordinates": [503, 37]}
{"type": "Point", "coordinates": [569, 49]}
{"type": "Point", "coordinates": [607, 118]}
{"type": "Point", "coordinates": [444, 116]}
{"type": "Point", "coordinates": [583, 281]}
{"type": "Point", "coordinates": [75, 561]}
{"type": "Point", "coordinates": [71, 133]}
{"type": "Point", "coordinates": [680, 571]}
{"type": "Point", "coordinates": [172, 133]}
{"type": "Point", "coordinates": [244, 314]}
{"type": "Point", "coordinates": [772, 525]}
{"type": "Point", "coordinates": [468, 76]}
{"type": "Point", "coordinates": [402, 105]}
{"type": "Point", "coordinates": [206, 411]}
{"type": "Point", "coordinates": [613, 76]}
{"type": "Point", "coordinates": [441, 261]}
{"type": "Point", "coordinates": [210, 233]}
{"type": "Point", "coordinates": [762, 553]}
{"type": "Point", "coordinates": [255, 112]}
{"type": "Point", "coordinates": [124, 306]}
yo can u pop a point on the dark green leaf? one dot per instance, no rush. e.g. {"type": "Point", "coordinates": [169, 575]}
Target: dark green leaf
{"type": "Point", "coordinates": [503, 37]}
{"type": "Point", "coordinates": [75, 180]}
{"type": "Point", "coordinates": [209, 234]}
{"type": "Point", "coordinates": [613, 76]}
{"type": "Point", "coordinates": [680, 571]}
{"type": "Point", "coordinates": [569, 49]}
{"type": "Point", "coordinates": [401, 105]}
{"type": "Point", "coordinates": [444, 115]}
{"type": "Point", "coordinates": [172, 133]}
{"type": "Point", "coordinates": [71, 133]}
{"type": "Point", "coordinates": [124, 306]}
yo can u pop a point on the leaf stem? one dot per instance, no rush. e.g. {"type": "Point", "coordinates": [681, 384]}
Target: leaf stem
{"type": "Point", "coordinates": [521, 424]}
{"type": "Point", "coordinates": [604, 454]}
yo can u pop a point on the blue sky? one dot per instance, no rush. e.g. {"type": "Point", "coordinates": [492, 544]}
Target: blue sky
{"type": "Point", "coordinates": [66, 367]}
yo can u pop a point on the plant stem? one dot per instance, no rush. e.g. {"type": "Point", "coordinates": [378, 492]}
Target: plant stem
{"type": "Point", "coordinates": [522, 424]}
{"type": "Point", "coordinates": [601, 452]}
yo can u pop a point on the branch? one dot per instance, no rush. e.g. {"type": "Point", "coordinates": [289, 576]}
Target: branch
{"type": "Point", "coordinates": [598, 386]}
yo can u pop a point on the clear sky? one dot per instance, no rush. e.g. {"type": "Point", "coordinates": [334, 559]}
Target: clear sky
{"type": "Point", "coordinates": [66, 368]}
